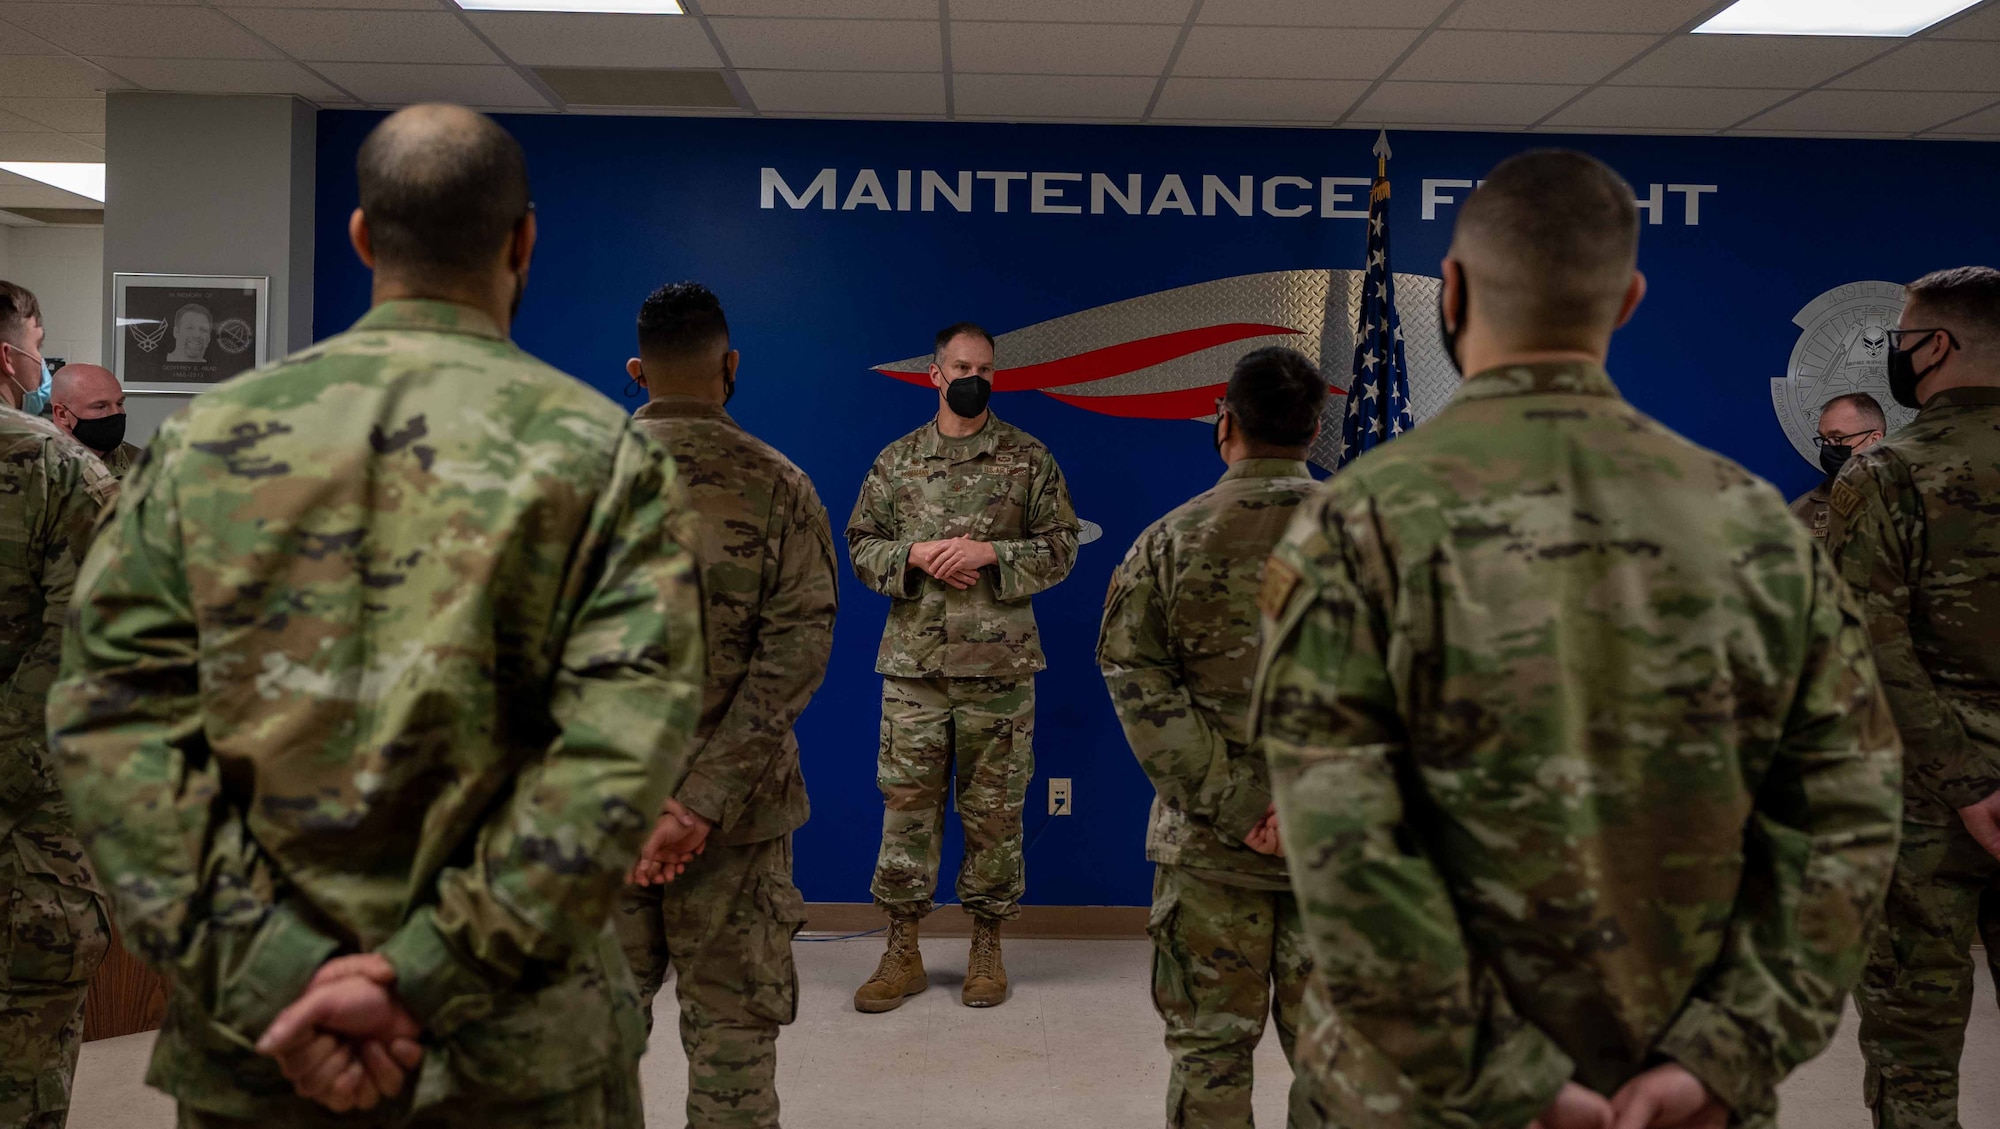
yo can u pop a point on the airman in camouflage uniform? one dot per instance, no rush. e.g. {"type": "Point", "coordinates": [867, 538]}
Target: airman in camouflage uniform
{"type": "Point", "coordinates": [86, 388]}
{"type": "Point", "coordinates": [1585, 778]}
{"type": "Point", "coordinates": [958, 523]}
{"type": "Point", "coordinates": [725, 925]}
{"type": "Point", "coordinates": [392, 649]}
{"type": "Point", "coordinates": [1916, 533]}
{"type": "Point", "coordinates": [56, 931]}
{"type": "Point", "coordinates": [1848, 425]}
{"type": "Point", "coordinates": [1178, 649]}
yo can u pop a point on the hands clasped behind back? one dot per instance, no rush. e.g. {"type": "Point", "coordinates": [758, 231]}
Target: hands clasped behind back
{"type": "Point", "coordinates": [346, 1043]}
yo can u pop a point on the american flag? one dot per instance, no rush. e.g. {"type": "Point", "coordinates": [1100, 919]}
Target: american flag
{"type": "Point", "coordinates": [1378, 399]}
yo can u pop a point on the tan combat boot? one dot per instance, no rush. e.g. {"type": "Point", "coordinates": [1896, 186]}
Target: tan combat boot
{"type": "Point", "coordinates": [901, 973]}
{"type": "Point", "coordinates": [985, 975]}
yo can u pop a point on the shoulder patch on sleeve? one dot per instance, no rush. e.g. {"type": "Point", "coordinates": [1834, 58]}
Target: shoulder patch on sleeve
{"type": "Point", "coordinates": [1280, 580]}
{"type": "Point", "coordinates": [1845, 498]}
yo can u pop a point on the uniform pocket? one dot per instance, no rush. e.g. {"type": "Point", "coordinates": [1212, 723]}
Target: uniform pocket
{"type": "Point", "coordinates": [1170, 990]}
{"type": "Point", "coordinates": [57, 928]}
{"type": "Point", "coordinates": [774, 980]}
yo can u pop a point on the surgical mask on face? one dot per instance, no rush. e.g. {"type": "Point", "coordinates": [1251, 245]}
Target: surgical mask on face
{"type": "Point", "coordinates": [1832, 457]}
{"type": "Point", "coordinates": [102, 434]}
{"type": "Point", "coordinates": [1903, 374]}
{"type": "Point", "coordinates": [967, 396]}
{"type": "Point", "coordinates": [34, 401]}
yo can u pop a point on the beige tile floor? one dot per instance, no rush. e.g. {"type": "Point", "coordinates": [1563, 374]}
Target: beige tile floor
{"type": "Point", "coordinates": [1078, 1045]}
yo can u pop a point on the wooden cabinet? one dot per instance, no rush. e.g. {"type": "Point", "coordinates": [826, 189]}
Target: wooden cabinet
{"type": "Point", "coordinates": [125, 996]}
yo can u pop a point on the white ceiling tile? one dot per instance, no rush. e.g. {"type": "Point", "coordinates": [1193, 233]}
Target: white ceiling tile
{"type": "Point", "coordinates": [69, 115]}
{"type": "Point", "coordinates": [211, 76]}
{"type": "Point", "coordinates": [1258, 99]}
{"type": "Point", "coordinates": [1873, 111]}
{"type": "Point", "coordinates": [95, 140]}
{"type": "Point", "coordinates": [1767, 61]}
{"type": "Point", "coordinates": [1848, 134]}
{"type": "Point", "coordinates": [846, 9]}
{"type": "Point", "coordinates": [15, 123]}
{"type": "Point", "coordinates": [1275, 52]}
{"type": "Point", "coordinates": [1656, 16]}
{"type": "Point", "coordinates": [1628, 107]}
{"type": "Point", "coordinates": [157, 32]}
{"type": "Point", "coordinates": [1459, 103]}
{"type": "Point", "coordinates": [371, 37]}
{"type": "Point", "coordinates": [1519, 56]}
{"type": "Point", "coordinates": [407, 5]}
{"type": "Point", "coordinates": [1073, 11]}
{"type": "Point", "coordinates": [1930, 65]}
{"type": "Point", "coordinates": [1981, 24]}
{"type": "Point", "coordinates": [46, 147]}
{"type": "Point", "coordinates": [831, 45]}
{"type": "Point", "coordinates": [1024, 48]}
{"type": "Point", "coordinates": [14, 41]}
{"type": "Point", "coordinates": [1012, 96]}
{"type": "Point", "coordinates": [548, 39]}
{"type": "Point", "coordinates": [1985, 123]}
{"type": "Point", "coordinates": [55, 76]}
{"type": "Point", "coordinates": [1323, 13]}
{"type": "Point", "coordinates": [790, 92]}
{"type": "Point", "coordinates": [405, 83]}
{"type": "Point", "coordinates": [42, 196]}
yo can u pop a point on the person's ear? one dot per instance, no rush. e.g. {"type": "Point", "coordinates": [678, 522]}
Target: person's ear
{"type": "Point", "coordinates": [937, 377]}
{"type": "Point", "coordinates": [1452, 311]}
{"type": "Point", "coordinates": [1317, 424]}
{"type": "Point", "coordinates": [522, 250]}
{"type": "Point", "coordinates": [1634, 294]}
{"type": "Point", "coordinates": [357, 234]}
{"type": "Point", "coordinates": [57, 412]}
{"type": "Point", "coordinates": [637, 372]}
{"type": "Point", "coordinates": [730, 362]}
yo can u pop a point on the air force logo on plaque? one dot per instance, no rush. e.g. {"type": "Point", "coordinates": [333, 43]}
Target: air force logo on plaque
{"type": "Point", "coordinates": [1844, 347]}
{"type": "Point", "coordinates": [147, 334]}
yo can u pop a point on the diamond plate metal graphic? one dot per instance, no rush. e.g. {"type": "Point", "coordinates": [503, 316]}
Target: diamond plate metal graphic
{"type": "Point", "coordinates": [1844, 347]}
{"type": "Point", "coordinates": [1319, 307]}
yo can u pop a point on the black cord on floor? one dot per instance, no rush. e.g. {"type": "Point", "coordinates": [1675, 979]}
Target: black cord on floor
{"type": "Point", "coordinates": [952, 901]}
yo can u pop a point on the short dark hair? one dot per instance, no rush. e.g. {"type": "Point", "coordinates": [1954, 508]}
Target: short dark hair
{"type": "Point", "coordinates": [1966, 297]}
{"type": "Point", "coordinates": [1868, 406]}
{"type": "Point", "coordinates": [192, 307]}
{"type": "Point", "coordinates": [679, 320]}
{"type": "Point", "coordinates": [442, 189]}
{"type": "Point", "coordinates": [1276, 395]}
{"type": "Point", "coordinates": [1555, 235]}
{"type": "Point", "coordinates": [18, 307]}
{"type": "Point", "coordinates": [956, 330]}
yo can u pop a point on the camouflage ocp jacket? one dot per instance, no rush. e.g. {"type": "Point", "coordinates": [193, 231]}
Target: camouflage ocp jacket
{"type": "Point", "coordinates": [394, 646]}
{"type": "Point", "coordinates": [999, 485]}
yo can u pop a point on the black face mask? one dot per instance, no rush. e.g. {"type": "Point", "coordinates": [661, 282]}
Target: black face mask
{"type": "Point", "coordinates": [1904, 377]}
{"type": "Point", "coordinates": [102, 434]}
{"type": "Point", "coordinates": [1449, 333]}
{"type": "Point", "coordinates": [1832, 458]}
{"type": "Point", "coordinates": [967, 396]}
{"type": "Point", "coordinates": [1218, 435]}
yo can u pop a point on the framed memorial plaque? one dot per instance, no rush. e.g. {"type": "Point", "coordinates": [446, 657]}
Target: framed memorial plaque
{"type": "Point", "coordinates": [188, 332]}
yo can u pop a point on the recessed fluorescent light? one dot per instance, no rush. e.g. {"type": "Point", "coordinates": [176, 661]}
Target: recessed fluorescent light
{"type": "Point", "coordinates": [70, 176]}
{"type": "Point", "coordinates": [1831, 17]}
{"type": "Point", "coordinates": [620, 7]}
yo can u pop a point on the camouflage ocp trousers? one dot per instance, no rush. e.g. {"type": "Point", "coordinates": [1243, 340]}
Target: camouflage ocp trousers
{"type": "Point", "coordinates": [1916, 994]}
{"type": "Point", "coordinates": [982, 730]}
{"type": "Point", "coordinates": [1224, 958]}
{"type": "Point", "coordinates": [56, 935]}
{"type": "Point", "coordinates": [725, 927]}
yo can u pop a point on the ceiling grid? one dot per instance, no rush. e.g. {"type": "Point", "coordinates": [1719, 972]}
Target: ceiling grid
{"type": "Point", "coordinates": [1545, 66]}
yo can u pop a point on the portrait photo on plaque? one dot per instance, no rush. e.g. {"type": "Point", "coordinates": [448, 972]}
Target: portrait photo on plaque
{"type": "Point", "coordinates": [188, 332]}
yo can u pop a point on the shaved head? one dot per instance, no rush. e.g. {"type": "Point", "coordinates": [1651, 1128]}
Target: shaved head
{"type": "Point", "coordinates": [77, 385]}
{"type": "Point", "coordinates": [442, 190]}
{"type": "Point", "coordinates": [1549, 242]}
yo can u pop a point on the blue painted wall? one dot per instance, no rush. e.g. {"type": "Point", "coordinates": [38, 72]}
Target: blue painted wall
{"type": "Point", "coordinates": [816, 297]}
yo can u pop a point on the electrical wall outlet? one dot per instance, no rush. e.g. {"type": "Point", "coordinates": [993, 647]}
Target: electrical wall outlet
{"type": "Point", "coordinates": [1059, 796]}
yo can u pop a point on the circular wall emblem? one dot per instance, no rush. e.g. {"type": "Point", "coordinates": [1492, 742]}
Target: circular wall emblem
{"type": "Point", "coordinates": [1843, 348]}
{"type": "Point", "coordinates": [233, 335]}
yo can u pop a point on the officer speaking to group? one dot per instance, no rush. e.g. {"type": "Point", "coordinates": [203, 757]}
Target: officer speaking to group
{"type": "Point", "coordinates": [419, 712]}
